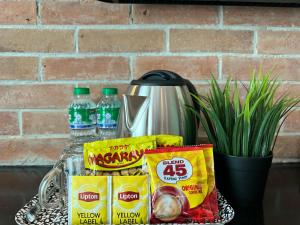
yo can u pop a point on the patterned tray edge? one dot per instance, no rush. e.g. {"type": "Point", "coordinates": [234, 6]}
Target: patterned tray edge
{"type": "Point", "coordinates": [56, 217]}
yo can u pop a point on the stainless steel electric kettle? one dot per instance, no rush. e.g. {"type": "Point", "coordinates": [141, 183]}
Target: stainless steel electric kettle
{"type": "Point", "coordinates": [156, 104]}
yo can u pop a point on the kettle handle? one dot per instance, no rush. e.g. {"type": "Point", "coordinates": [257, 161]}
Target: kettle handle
{"type": "Point", "coordinates": [193, 91]}
{"type": "Point", "coordinates": [164, 74]}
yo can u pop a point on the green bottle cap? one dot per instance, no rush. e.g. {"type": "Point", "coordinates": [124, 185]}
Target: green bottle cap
{"type": "Point", "coordinates": [81, 91]}
{"type": "Point", "coordinates": [109, 91]}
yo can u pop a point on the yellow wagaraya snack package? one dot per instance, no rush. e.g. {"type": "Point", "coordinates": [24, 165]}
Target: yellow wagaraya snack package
{"type": "Point", "coordinates": [117, 154]}
{"type": "Point", "coordinates": [166, 140]}
{"type": "Point", "coordinates": [130, 200]}
{"type": "Point", "coordinates": [89, 200]}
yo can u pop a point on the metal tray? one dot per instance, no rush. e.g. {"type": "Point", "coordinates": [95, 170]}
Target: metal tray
{"type": "Point", "coordinates": [60, 217]}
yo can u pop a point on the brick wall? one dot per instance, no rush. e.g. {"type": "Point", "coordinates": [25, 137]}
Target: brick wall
{"type": "Point", "coordinates": [47, 47]}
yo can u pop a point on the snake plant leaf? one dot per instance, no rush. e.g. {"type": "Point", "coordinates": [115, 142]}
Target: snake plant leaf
{"type": "Point", "coordinates": [246, 127]}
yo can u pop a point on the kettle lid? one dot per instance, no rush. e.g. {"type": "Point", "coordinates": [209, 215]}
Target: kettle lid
{"type": "Point", "coordinates": [160, 78]}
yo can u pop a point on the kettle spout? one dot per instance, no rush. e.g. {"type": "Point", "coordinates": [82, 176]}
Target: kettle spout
{"type": "Point", "coordinates": [134, 109]}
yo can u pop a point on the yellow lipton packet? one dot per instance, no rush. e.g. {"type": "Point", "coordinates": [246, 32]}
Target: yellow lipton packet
{"type": "Point", "coordinates": [178, 184]}
{"type": "Point", "coordinates": [122, 156]}
{"type": "Point", "coordinates": [166, 140]}
{"type": "Point", "coordinates": [130, 200]}
{"type": "Point", "coordinates": [88, 200]}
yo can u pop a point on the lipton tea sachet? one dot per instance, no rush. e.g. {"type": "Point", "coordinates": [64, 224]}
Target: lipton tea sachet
{"type": "Point", "coordinates": [179, 185]}
{"type": "Point", "coordinates": [89, 200]}
{"type": "Point", "coordinates": [130, 200]}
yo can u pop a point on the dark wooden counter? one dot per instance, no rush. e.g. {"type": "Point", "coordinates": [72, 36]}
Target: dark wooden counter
{"type": "Point", "coordinates": [281, 203]}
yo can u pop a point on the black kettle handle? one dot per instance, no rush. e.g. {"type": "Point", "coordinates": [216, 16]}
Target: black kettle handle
{"type": "Point", "coordinates": [193, 91]}
{"type": "Point", "coordinates": [164, 74]}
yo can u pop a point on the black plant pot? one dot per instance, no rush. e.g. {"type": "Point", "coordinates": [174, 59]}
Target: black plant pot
{"type": "Point", "coordinates": [242, 180]}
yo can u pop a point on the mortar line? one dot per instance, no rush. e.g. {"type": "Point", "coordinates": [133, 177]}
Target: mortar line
{"type": "Point", "coordinates": [48, 136]}
{"type": "Point", "coordinates": [130, 15]}
{"type": "Point", "coordinates": [288, 134]}
{"type": "Point", "coordinates": [153, 26]}
{"type": "Point", "coordinates": [167, 40]}
{"type": "Point", "coordinates": [221, 16]}
{"type": "Point", "coordinates": [43, 110]}
{"type": "Point", "coordinates": [38, 13]}
{"type": "Point", "coordinates": [76, 39]}
{"type": "Point", "coordinates": [128, 54]}
{"type": "Point", "coordinates": [285, 160]}
{"type": "Point", "coordinates": [74, 83]}
{"type": "Point", "coordinates": [92, 82]}
{"type": "Point", "coordinates": [35, 136]}
{"type": "Point", "coordinates": [131, 67]}
{"type": "Point", "coordinates": [40, 70]}
{"type": "Point", "coordinates": [255, 41]}
{"type": "Point", "coordinates": [33, 110]}
{"type": "Point", "coordinates": [20, 118]}
{"type": "Point", "coordinates": [9, 110]}
{"type": "Point", "coordinates": [66, 82]}
{"type": "Point", "coordinates": [220, 68]}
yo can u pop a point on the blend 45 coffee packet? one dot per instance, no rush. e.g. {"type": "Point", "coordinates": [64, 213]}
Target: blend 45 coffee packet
{"type": "Point", "coordinates": [180, 187]}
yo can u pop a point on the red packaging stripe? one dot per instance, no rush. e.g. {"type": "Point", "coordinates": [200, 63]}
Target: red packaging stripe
{"type": "Point", "coordinates": [179, 149]}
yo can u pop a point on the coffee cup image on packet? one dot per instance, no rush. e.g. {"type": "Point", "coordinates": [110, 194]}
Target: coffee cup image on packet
{"type": "Point", "coordinates": [89, 200]}
{"type": "Point", "coordinates": [168, 203]}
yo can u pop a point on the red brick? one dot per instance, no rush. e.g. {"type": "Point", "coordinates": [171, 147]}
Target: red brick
{"type": "Point", "coordinates": [9, 123]}
{"type": "Point", "coordinates": [261, 16]}
{"type": "Point", "coordinates": [45, 122]}
{"type": "Point", "coordinates": [202, 89]}
{"type": "Point", "coordinates": [33, 40]}
{"type": "Point", "coordinates": [121, 40]}
{"type": "Point", "coordinates": [287, 147]}
{"type": "Point", "coordinates": [241, 68]}
{"type": "Point", "coordinates": [292, 90]}
{"type": "Point", "coordinates": [18, 12]}
{"type": "Point", "coordinates": [292, 123]}
{"type": "Point", "coordinates": [279, 42]}
{"type": "Point", "coordinates": [84, 12]}
{"type": "Point", "coordinates": [31, 151]}
{"type": "Point", "coordinates": [192, 40]}
{"type": "Point", "coordinates": [35, 96]}
{"type": "Point", "coordinates": [188, 67]}
{"type": "Point", "coordinates": [168, 14]}
{"type": "Point", "coordinates": [18, 68]}
{"type": "Point", "coordinates": [95, 68]}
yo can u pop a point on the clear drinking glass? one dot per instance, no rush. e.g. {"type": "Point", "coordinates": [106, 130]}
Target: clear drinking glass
{"type": "Point", "coordinates": [57, 179]}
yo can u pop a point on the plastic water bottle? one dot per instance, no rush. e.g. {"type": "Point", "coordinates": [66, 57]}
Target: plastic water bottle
{"type": "Point", "coordinates": [82, 116]}
{"type": "Point", "coordinates": [108, 113]}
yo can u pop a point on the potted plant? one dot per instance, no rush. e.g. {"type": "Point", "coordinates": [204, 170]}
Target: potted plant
{"type": "Point", "coordinates": [244, 133]}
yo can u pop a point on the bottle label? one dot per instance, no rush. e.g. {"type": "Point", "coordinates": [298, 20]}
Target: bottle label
{"type": "Point", "coordinates": [107, 117]}
{"type": "Point", "coordinates": [82, 118]}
